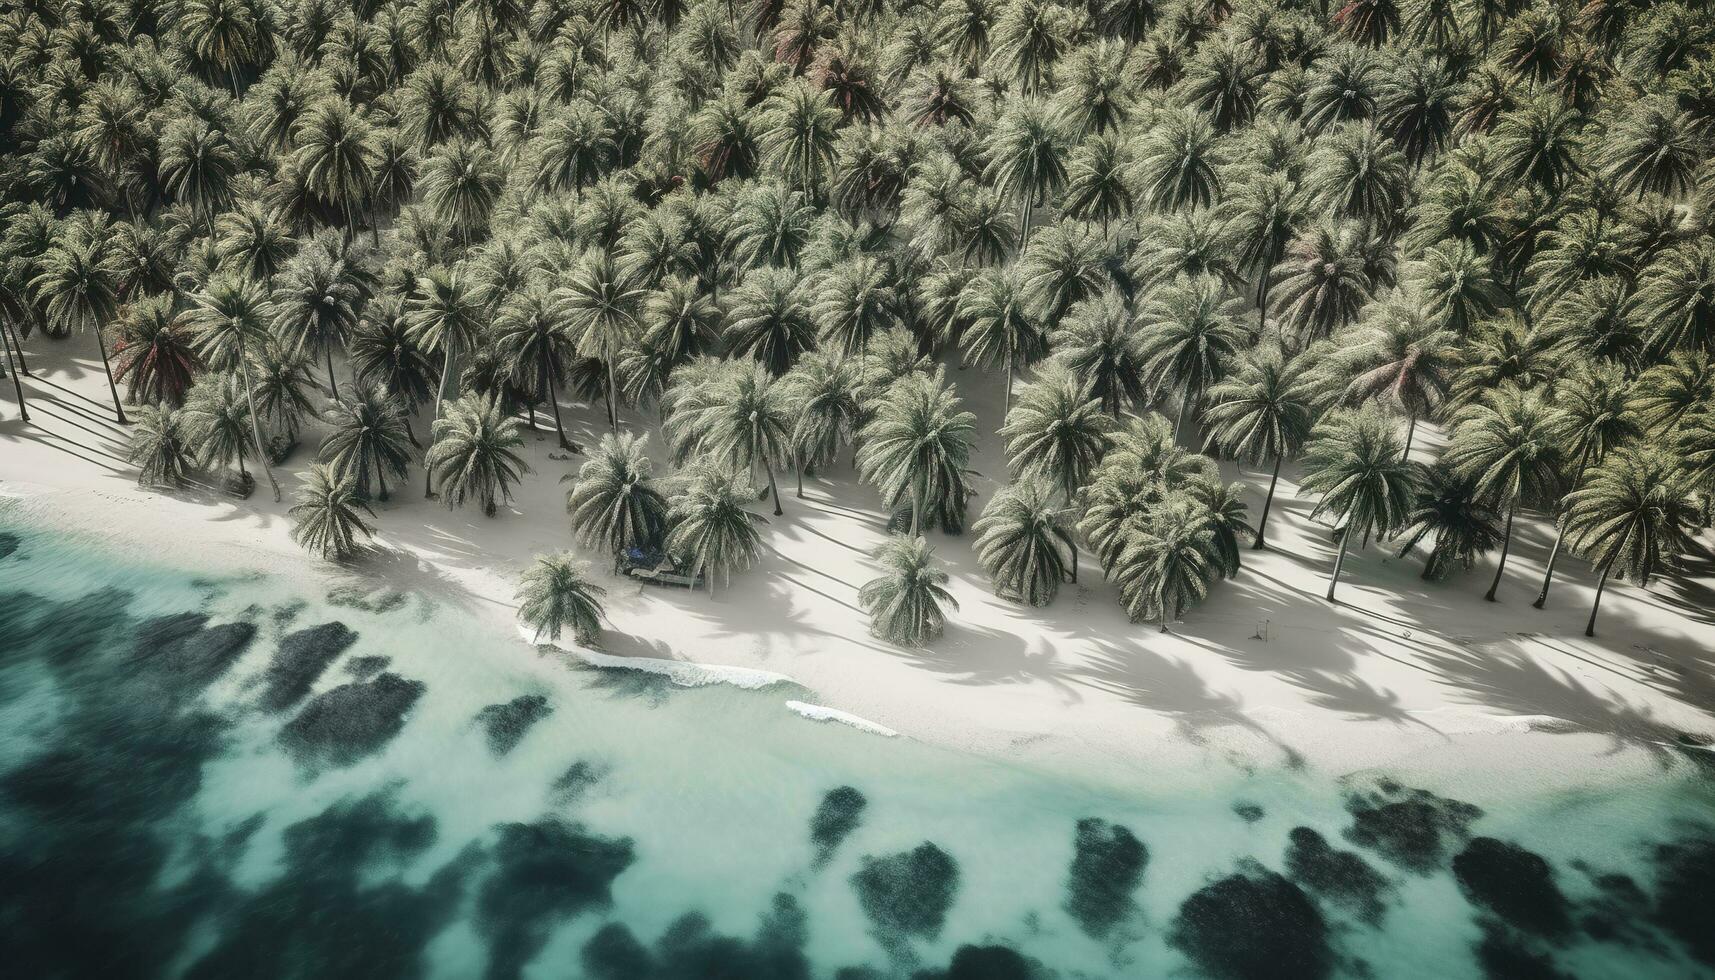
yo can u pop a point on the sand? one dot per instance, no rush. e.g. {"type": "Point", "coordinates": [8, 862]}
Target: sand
{"type": "Point", "coordinates": [1264, 673]}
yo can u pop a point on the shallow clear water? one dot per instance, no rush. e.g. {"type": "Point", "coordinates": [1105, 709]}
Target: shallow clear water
{"type": "Point", "coordinates": [205, 776]}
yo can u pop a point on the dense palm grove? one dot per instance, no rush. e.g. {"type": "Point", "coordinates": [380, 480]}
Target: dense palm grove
{"type": "Point", "coordinates": [1265, 230]}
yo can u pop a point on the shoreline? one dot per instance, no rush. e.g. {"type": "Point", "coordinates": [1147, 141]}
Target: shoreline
{"type": "Point", "coordinates": [1263, 675]}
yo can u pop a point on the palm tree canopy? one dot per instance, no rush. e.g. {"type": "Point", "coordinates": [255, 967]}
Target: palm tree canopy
{"type": "Point", "coordinates": [1633, 517]}
{"type": "Point", "coordinates": [1023, 542]}
{"type": "Point", "coordinates": [328, 515]}
{"type": "Point", "coordinates": [905, 602]}
{"type": "Point", "coordinates": [555, 594]}
{"type": "Point", "coordinates": [1353, 461]}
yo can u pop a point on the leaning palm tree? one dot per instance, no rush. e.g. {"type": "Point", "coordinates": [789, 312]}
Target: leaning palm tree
{"type": "Point", "coordinates": [1633, 518]}
{"type": "Point", "coordinates": [1508, 444]}
{"type": "Point", "coordinates": [1023, 542]}
{"type": "Point", "coordinates": [750, 423]}
{"type": "Point", "coordinates": [317, 300]}
{"type": "Point", "coordinates": [1464, 524]}
{"type": "Point", "coordinates": [1190, 333]}
{"type": "Point", "coordinates": [535, 345]}
{"type": "Point", "coordinates": [231, 319]}
{"type": "Point", "coordinates": [821, 393]}
{"type": "Point", "coordinates": [614, 502]}
{"type": "Point", "coordinates": [76, 289]}
{"type": "Point", "coordinates": [474, 454]}
{"type": "Point", "coordinates": [328, 516]}
{"type": "Point", "coordinates": [1164, 566]}
{"type": "Point", "coordinates": [904, 603]}
{"type": "Point", "coordinates": [160, 448]}
{"type": "Point", "coordinates": [1397, 358]}
{"type": "Point", "coordinates": [443, 313]}
{"type": "Point", "coordinates": [712, 530]}
{"type": "Point", "coordinates": [554, 595]}
{"type": "Point", "coordinates": [917, 447]}
{"type": "Point", "coordinates": [1597, 415]}
{"type": "Point", "coordinates": [1353, 460]}
{"type": "Point", "coordinates": [1000, 330]}
{"type": "Point", "coordinates": [217, 422]}
{"type": "Point", "coordinates": [1263, 411]}
{"type": "Point", "coordinates": [368, 435]}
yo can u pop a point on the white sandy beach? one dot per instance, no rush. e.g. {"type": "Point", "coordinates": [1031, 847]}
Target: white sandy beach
{"type": "Point", "coordinates": [1265, 672]}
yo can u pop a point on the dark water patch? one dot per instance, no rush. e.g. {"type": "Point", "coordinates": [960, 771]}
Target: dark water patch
{"type": "Point", "coordinates": [839, 813]}
{"type": "Point", "coordinates": [340, 909]}
{"type": "Point", "coordinates": [9, 544]}
{"type": "Point", "coordinates": [1620, 911]}
{"type": "Point", "coordinates": [546, 873]}
{"type": "Point", "coordinates": [340, 726]}
{"type": "Point", "coordinates": [1107, 866]}
{"type": "Point", "coordinates": [986, 963]}
{"type": "Point", "coordinates": [1248, 812]}
{"type": "Point", "coordinates": [1505, 954]}
{"type": "Point", "coordinates": [909, 893]}
{"type": "Point", "coordinates": [507, 723]}
{"type": "Point", "coordinates": [371, 600]}
{"type": "Point", "coordinates": [1684, 890]}
{"type": "Point", "coordinates": [366, 667]}
{"type": "Point", "coordinates": [690, 949]}
{"type": "Point", "coordinates": [300, 660]}
{"type": "Point", "coordinates": [179, 656]}
{"type": "Point", "coordinates": [288, 613]}
{"type": "Point", "coordinates": [1514, 884]}
{"type": "Point", "coordinates": [1341, 877]}
{"type": "Point", "coordinates": [578, 779]}
{"type": "Point", "coordinates": [90, 820]}
{"type": "Point", "coordinates": [1412, 828]}
{"type": "Point", "coordinates": [1253, 924]}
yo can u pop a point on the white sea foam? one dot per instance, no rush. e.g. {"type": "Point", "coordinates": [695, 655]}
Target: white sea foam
{"type": "Point", "coordinates": [681, 672]}
{"type": "Point", "coordinates": [817, 712]}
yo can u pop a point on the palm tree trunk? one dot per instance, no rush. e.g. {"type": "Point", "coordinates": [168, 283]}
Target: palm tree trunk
{"type": "Point", "coordinates": [380, 479]}
{"type": "Point", "coordinates": [612, 401]}
{"type": "Point", "coordinates": [1590, 627]}
{"type": "Point", "coordinates": [333, 388]}
{"type": "Point", "coordinates": [1267, 501]}
{"type": "Point", "coordinates": [1006, 400]}
{"type": "Point", "coordinates": [449, 350]}
{"type": "Point", "coordinates": [112, 388]}
{"type": "Point", "coordinates": [17, 345]}
{"type": "Point", "coordinates": [1410, 431]}
{"type": "Point", "coordinates": [1262, 304]}
{"type": "Point", "coordinates": [1548, 575]}
{"type": "Point", "coordinates": [17, 381]}
{"type": "Point", "coordinates": [1339, 560]}
{"type": "Point", "coordinates": [768, 467]}
{"type": "Point", "coordinates": [1506, 544]}
{"type": "Point", "coordinates": [798, 468]}
{"type": "Point", "coordinates": [1179, 421]}
{"type": "Point", "coordinates": [255, 424]}
{"type": "Point", "coordinates": [916, 508]}
{"type": "Point", "coordinates": [559, 427]}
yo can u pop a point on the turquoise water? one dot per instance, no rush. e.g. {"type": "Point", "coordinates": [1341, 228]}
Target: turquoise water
{"type": "Point", "coordinates": [216, 777]}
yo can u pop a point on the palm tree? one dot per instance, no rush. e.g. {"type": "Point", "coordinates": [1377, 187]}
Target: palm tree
{"type": "Point", "coordinates": [461, 185]}
{"type": "Point", "coordinates": [1538, 142]}
{"type": "Point", "coordinates": [1596, 415]}
{"type": "Point", "coordinates": [1099, 342]}
{"type": "Point", "coordinates": [1190, 334]}
{"type": "Point", "coordinates": [1000, 329]}
{"type": "Point", "coordinates": [384, 351]}
{"type": "Point", "coordinates": [1164, 566]}
{"type": "Point", "coordinates": [1418, 104]}
{"type": "Point", "coordinates": [772, 225]}
{"type": "Point", "coordinates": [854, 301]}
{"type": "Point", "coordinates": [1354, 461]}
{"type": "Point", "coordinates": [1676, 299]}
{"type": "Point", "coordinates": [1023, 542]}
{"type": "Point", "coordinates": [1457, 286]}
{"type": "Point", "coordinates": [821, 393]}
{"type": "Point", "coordinates": [1058, 432]}
{"type": "Point", "coordinates": [1318, 285]}
{"type": "Point", "coordinates": [904, 602]}
{"type": "Point", "coordinates": [711, 528]}
{"type": "Point", "coordinates": [750, 424]}
{"type": "Point", "coordinates": [336, 156]}
{"type": "Point", "coordinates": [77, 290]}
{"type": "Point", "coordinates": [231, 319]}
{"type": "Point", "coordinates": [554, 595]}
{"type": "Point", "coordinates": [1668, 392]}
{"type": "Point", "coordinates": [1263, 411]}
{"type": "Point", "coordinates": [1183, 245]}
{"type": "Point", "coordinates": [1098, 184]}
{"type": "Point", "coordinates": [1508, 444]}
{"type": "Point", "coordinates": [680, 319]}
{"type": "Point", "coordinates": [368, 435]}
{"type": "Point", "coordinates": [328, 515]}
{"type": "Point", "coordinates": [1652, 149]}
{"type": "Point", "coordinates": [769, 320]}
{"type": "Point", "coordinates": [799, 123]}
{"type": "Point", "coordinates": [598, 304]}
{"type": "Point", "coordinates": [1225, 516]}
{"type": "Point", "coordinates": [1028, 38]}
{"type": "Point", "coordinates": [1262, 215]}
{"type": "Point", "coordinates": [529, 337]}
{"type": "Point", "coordinates": [916, 448]}
{"type": "Point", "coordinates": [1178, 160]}
{"type": "Point", "coordinates": [614, 502]}
{"type": "Point", "coordinates": [317, 300]}
{"type": "Point", "coordinates": [443, 313]}
{"type": "Point", "coordinates": [1224, 81]}
{"type": "Point", "coordinates": [1027, 157]}
{"type": "Point", "coordinates": [217, 421]}
{"type": "Point", "coordinates": [154, 352]}
{"type": "Point", "coordinates": [1632, 517]}
{"type": "Point", "coordinates": [160, 448]}
{"type": "Point", "coordinates": [253, 241]}
{"type": "Point", "coordinates": [220, 33]}
{"type": "Point", "coordinates": [1396, 358]}
{"type": "Point", "coordinates": [1465, 526]}
{"type": "Point", "coordinates": [474, 454]}
{"type": "Point", "coordinates": [1357, 172]}
{"type": "Point", "coordinates": [198, 166]}
{"type": "Point", "coordinates": [573, 149]}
